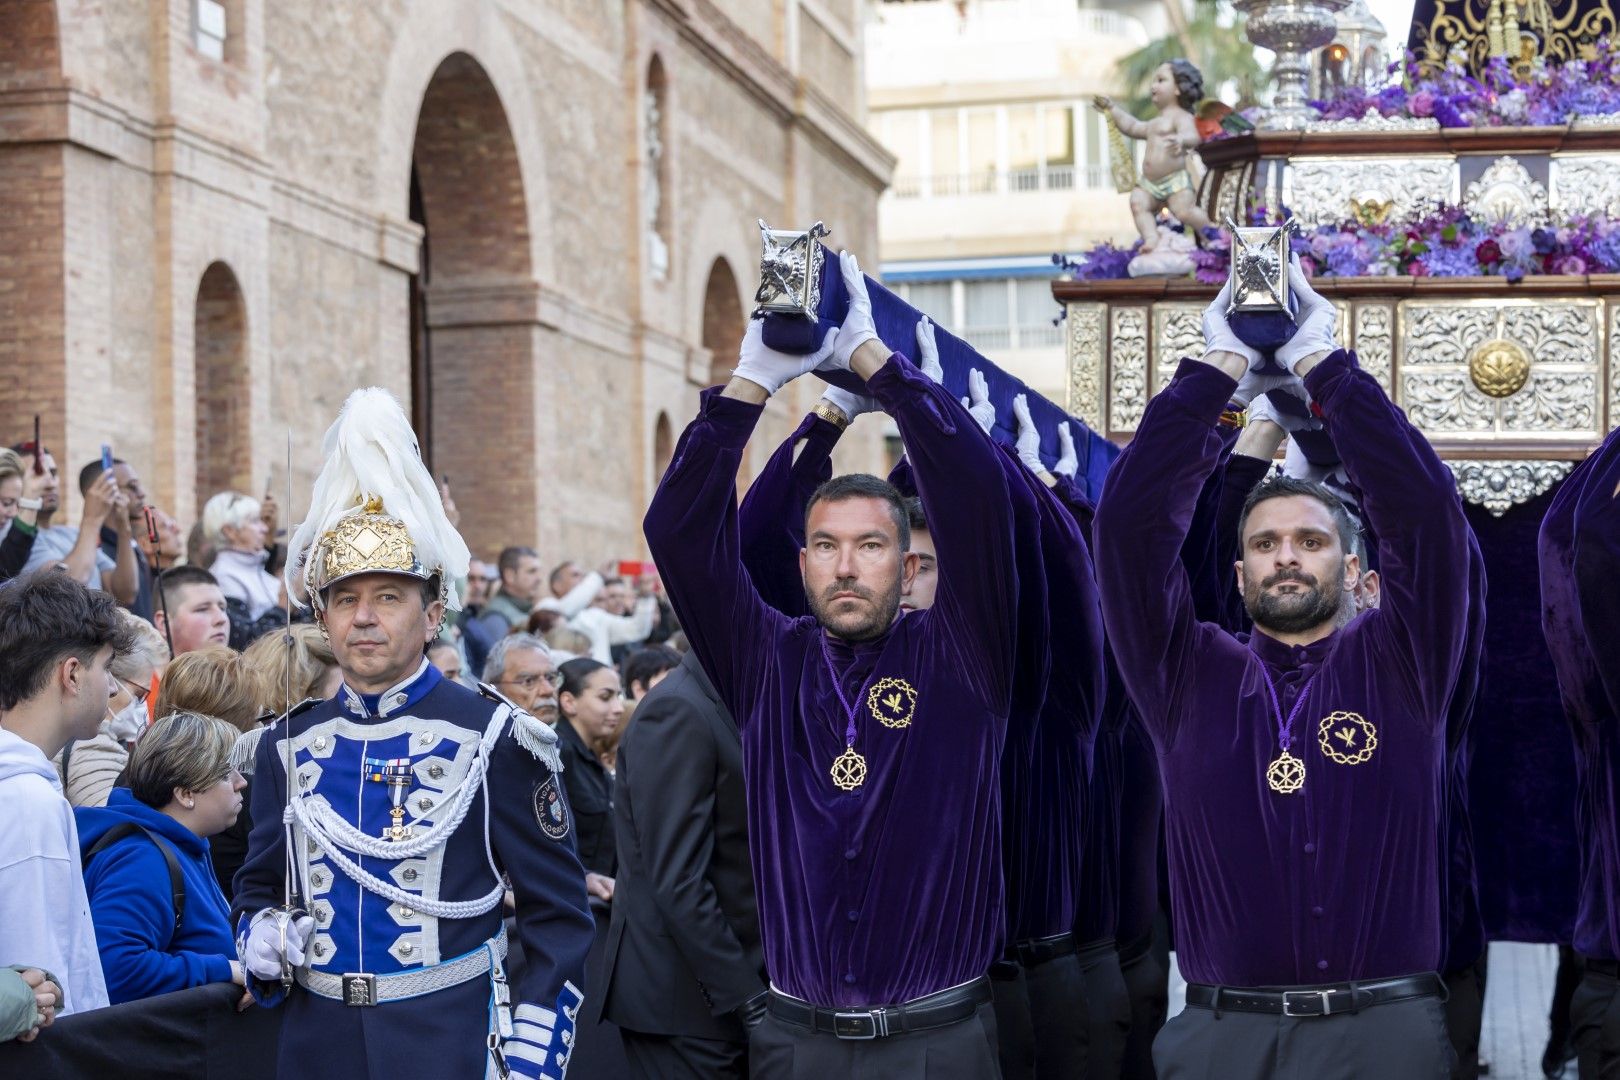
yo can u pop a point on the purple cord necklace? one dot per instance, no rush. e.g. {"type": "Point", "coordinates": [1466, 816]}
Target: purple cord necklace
{"type": "Point", "coordinates": [1286, 774]}
{"type": "Point", "coordinates": [848, 768]}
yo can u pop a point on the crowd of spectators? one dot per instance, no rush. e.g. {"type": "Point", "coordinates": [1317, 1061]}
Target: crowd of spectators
{"type": "Point", "coordinates": [140, 662]}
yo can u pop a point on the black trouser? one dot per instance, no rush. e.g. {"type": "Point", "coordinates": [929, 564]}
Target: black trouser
{"type": "Point", "coordinates": [1595, 1017]}
{"type": "Point", "coordinates": [1109, 1006]}
{"type": "Point", "coordinates": [1401, 1040]}
{"type": "Point", "coordinates": [965, 1050]}
{"type": "Point", "coordinates": [682, 1057]}
{"type": "Point", "coordinates": [1465, 1009]}
{"type": "Point", "coordinates": [1147, 983]}
{"type": "Point", "coordinates": [1041, 1019]}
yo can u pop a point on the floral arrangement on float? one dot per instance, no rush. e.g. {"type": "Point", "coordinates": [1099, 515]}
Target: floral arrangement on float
{"type": "Point", "coordinates": [1539, 94]}
{"type": "Point", "coordinates": [1441, 242]}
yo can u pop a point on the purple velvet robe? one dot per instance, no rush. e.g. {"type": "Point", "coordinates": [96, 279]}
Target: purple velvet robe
{"type": "Point", "coordinates": [1340, 880]}
{"type": "Point", "coordinates": [893, 890]}
{"type": "Point", "coordinates": [1580, 563]}
{"type": "Point", "coordinates": [1055, 685]}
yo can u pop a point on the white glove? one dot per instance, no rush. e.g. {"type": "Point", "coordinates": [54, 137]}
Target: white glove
{"type": "Point", "coordinates": [851, 405]}
{"type": "Point", "coordinates": [1316, 319]}
{"type": "Point", "coordinates": [928, 351]}
{"type": "Point", "coordinates": [1255, 385]}
{"type": "Point", "coordinates": [262, 952]}
{"type": "Point", "coordinates": [1218, 335]}
{"type": "Point", "coordinates": [858, 327]}
{"type": "Point", "coordinates": [1260, 409]}
{"type": "Point", "coordinates": [1028, 443]}
{"type": "Point", "coordinates": [977, 403]}
{"type": "Point", "coordinates": [1068, 462]}
{"type": "Point", "coordinates": [771, 370]}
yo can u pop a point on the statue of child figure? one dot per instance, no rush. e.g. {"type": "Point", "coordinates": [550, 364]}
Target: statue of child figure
{"type": "Point", "coordinates": [1166, 180]}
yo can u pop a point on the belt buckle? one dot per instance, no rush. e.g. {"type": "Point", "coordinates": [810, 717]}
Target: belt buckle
{"type": "Point", "coordinates": [359, 988]}
{"type": "Point", "coordinates": [1324, 995]}
{"type": "Point", "coordinates": [861, 1024]}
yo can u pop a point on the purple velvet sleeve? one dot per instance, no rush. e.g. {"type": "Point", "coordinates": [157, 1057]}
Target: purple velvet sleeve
{"type": "Point", "coordinates": [771, 520]}
{"type": "Point", "coordinates": [1075, 687]}
{"type": "Point", "coordinates": [973, 538]}
{"type": "Point", "coordinates": [1410, 501]}
{"type": "Point", "coordinates": [1142, 521]}
{"type": "Point", "coordinates": [1597, 566]}
{"type": "Point", "coordinates": [691, 530]}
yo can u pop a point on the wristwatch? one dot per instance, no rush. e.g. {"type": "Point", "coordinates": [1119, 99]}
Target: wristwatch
{"type": "Point", "coordinates": [832, 414]}
{"type": "Point", "coordinates": [30, 504]}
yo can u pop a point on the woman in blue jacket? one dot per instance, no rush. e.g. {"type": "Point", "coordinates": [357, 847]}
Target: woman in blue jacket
{"type": "Point", "coordinates": [161, 922]}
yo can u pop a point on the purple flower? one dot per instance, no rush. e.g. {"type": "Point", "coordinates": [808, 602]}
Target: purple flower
{"type": "Point", "coordinates": [1422, 103]}
{"type": "Point", "coordinates": [1514, 273]}
{"type": "Point", "coordinates": [1451, 260]}
{"type": "Point", "coordinates": [1543, 240]}
{"type": "Point", "coordinates": [1516, 244]}
{"type": "Point", "coordinates": [1569, 264]}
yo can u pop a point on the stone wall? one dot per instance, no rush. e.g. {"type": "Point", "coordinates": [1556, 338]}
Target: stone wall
{"type": "Point", "coordinates": [515, 299]}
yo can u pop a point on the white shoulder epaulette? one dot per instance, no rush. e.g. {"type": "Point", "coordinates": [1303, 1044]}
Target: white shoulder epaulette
{"type": "Point", "coordinates": [535, 737]}
{"type": "Point", "coordinates": [246, 746]}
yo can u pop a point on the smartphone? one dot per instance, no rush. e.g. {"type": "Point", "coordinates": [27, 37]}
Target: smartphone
{"type": "Point", "coordinates": [629, 569]}
{"type": "Point", "coordinates": [39, 454]}
{"type": "Point", "coordinates": [106, 458]}
{"type": "Point", "coordinates": [151, 525]}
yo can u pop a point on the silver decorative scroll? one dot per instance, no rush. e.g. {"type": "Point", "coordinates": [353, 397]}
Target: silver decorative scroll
{"type": "Point", "coordinates": [1499, 486]}
{"type": "Point", "coordinates": [790, 271]}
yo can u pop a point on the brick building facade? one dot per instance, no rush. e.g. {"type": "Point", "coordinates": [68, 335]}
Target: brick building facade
{"type": "Point", "coordinates": [533, 220]}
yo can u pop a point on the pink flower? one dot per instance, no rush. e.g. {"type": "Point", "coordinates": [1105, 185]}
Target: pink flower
{"type": "Point", "coordinates": [1419, 269]}
{"type": "Point", "coordinates": [1422, 103]}
{"type": "Point", "coordinates": [1570, 264]}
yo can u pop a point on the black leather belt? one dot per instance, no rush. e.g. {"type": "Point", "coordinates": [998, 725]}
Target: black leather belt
{"type": "Point", "coordinates": [1329, 999]}
{"type": "Point", "coordinates": [920, 1014]}
{"type": "Point", "coordinates": [1032, 952]}
{"type": "Point", "coordinates": [1093, 951]}
{"type": "Point", "coordinates": [1611, 968]}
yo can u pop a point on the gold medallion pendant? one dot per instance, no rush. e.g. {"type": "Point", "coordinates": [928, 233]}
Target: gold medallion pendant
{"type": "Point", "coordinates": [1286, 775]}
{"type": "Point", "coordinates": [849, 770]}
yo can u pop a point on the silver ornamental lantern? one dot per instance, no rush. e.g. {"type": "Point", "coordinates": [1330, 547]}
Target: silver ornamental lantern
{"type": "Point", "coordinates": [1258, 272]}
{"type": "Point", "coordinates": [790, 271]}
{"type": "Point", "coordinates": [1292, 29]}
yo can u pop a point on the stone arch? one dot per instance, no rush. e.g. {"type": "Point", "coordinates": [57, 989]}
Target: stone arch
{"type": "Point", "coordinates": [723, 320]}
{"type": "Point", "coordinates": [663, 445]}
{"type": "Point", "coordinates": [430, 32]}
{"type": "Point", "coordinates": [224, 446]}
{"type": "Point", "coordinates": [473, 301]}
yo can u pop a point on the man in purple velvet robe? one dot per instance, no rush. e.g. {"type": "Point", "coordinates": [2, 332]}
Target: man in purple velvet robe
{"type": "Point", "coordinates": [1580, 601]}
{"type": "Point", "coordinates": [870, 738]}
{"type": "Point", "coordinates": [1304, 764]}
{"type": "Point", "coordinates": [1039, 986]}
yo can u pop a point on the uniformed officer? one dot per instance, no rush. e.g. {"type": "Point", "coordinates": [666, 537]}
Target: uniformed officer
{"type": "Point", "coordinates": [370, 901]}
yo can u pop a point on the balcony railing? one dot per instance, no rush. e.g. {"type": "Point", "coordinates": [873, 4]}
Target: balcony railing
{"type": "Point", "coordinates": [1011, 182]}
{"type": "Point", "coordinates": [1023, 336]}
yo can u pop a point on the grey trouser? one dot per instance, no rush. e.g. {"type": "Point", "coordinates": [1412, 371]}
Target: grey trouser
{"type": "Point", "coordinates": [1403, 1040]}
{"type": "Point", "coordinates": [960, 1051]}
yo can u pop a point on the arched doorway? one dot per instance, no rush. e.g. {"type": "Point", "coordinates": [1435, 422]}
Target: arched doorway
{"type": "Point", "coordinates": [723, 322]}
{"type": "Point", "coordinates": [471, 330]}
{"type": "Point", "coordinates": [663, 446]}
{"type": "Point", "coordinates": [224, 414]}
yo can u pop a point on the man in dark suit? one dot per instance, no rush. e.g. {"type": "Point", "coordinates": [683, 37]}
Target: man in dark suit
{"type": "Point", "coordinates": [684, 974]}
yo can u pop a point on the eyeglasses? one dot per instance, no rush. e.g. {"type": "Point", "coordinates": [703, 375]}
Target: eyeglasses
{"type": "Point", "coordinates": [529, 682]}
{"type": "Point", "coordinates": [136, 691]}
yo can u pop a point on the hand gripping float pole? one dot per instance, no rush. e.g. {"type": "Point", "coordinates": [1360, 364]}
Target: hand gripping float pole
{"type": "Point", "coordinates": [801, 296]}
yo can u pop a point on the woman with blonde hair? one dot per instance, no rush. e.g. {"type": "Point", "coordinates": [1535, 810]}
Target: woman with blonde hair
{"type": "Point", "coordinates": [220, 683]}
{"type": "Point", "coordinates": [162, 922]}
{"type": "Point", "coordinates": [20, 502]}
{"type": "Point", "coordinates": [234, 527]}
{"type": "Point", "coordinates": [90, 769]}
{"type": "Point", "coordinates": [287, 674]}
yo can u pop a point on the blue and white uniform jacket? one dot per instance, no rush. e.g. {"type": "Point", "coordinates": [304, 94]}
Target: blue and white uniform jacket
{"type": "Point", "coordinates": [411, 811]}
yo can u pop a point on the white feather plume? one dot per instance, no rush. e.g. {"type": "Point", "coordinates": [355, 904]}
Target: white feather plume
{"type": "Point", "coordinates": [370, 450]}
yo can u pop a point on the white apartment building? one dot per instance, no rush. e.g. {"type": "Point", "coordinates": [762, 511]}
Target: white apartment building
{"type": "Point", "coordinates": [1001, 159]}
